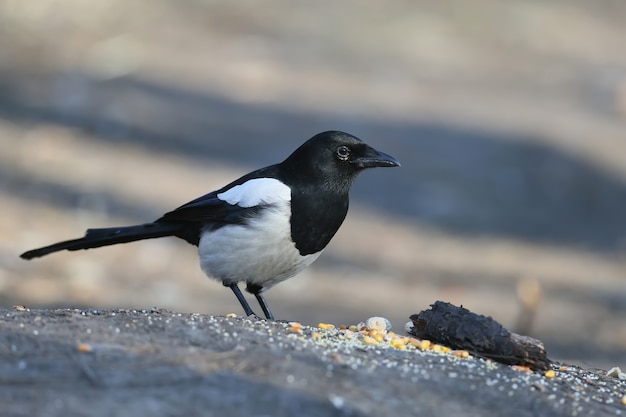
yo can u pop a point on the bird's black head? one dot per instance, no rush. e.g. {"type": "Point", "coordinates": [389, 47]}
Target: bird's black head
{"type": "Point", "coordinates": [336, 158]}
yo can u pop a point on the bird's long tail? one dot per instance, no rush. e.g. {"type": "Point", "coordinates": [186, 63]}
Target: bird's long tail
{"type": "Point", "coordinates": [95, 238]}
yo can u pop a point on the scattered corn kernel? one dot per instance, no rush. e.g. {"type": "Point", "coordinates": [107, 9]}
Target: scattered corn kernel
{"type": "Point", "coordinates": [316, 335]}
{"type": "Point", "coordinates": [440, 348]}
{"type": "Point", "coordinates": [369, 340]}
{"type": "Point", "coordinates": [521, 368]}
{"type": "Point", "coordinates": [550, 373]}
{"type": "Point", "coordinates": [325, 326]}
{"type": "Point", "coordinates": [84, 347]}
{"type": "Point", "coordinates": [413, 341]}
{"type": "Point", "coordinates": [373, 333]}
{"type": "Point", "coordinates": [424, 345]}
{"type": "Point", "coordinates": [343, 327]}
{"type": "Point", "coordinates": [296, 329]}
{"type": "Point", "coordinates": [461, 353]}
{"type": "Point", "coordinates": [231, 315]}
{"type": "Point", "coordinates": [295, 324]}
{"type": "Point", "coordinates": [398, 342]}
{"type": "Point", "coordinates": [624, 399]}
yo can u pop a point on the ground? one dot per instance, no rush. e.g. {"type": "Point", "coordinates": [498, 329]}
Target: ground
{"type": "Point", "coordinates": [120, 362]}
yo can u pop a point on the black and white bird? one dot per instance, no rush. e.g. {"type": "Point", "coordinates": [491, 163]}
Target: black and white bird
{"type": "Point", "coordinates": [264, 227]}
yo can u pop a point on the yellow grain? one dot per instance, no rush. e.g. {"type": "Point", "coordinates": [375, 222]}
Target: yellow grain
{"type": "Point", "coordinates": [424, 345]}
{"type": "Point", "coordinates": [461, 353]}
{"type": "Point", "coordinates": [369, 340]}
{"type": "Point", "coordinates": [399, 342]}
{"type": "Point", "coordinates": [440, 348]}
{"type": "Point", "coordinates": [295, 329]}
{"type": "Point", "coordinates": [84, 348]}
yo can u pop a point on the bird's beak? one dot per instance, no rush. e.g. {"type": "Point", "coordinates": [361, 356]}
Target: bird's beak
{"type": "Point", "coordinates": [373, 158]}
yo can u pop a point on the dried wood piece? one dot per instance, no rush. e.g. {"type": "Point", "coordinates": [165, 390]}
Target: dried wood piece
{"type": "Point", "coordinates": [459, 328]}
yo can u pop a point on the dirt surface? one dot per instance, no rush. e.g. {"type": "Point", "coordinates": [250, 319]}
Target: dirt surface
{"type": "Point", "coordinates": [509, 118]}
{"type": "Point", "coordinates": [128, 362]}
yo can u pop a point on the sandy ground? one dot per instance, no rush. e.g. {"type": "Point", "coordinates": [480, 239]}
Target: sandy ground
{"type": "Point", "coordinates": [508, 117]}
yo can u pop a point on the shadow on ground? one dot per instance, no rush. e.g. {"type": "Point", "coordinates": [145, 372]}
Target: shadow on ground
{"type": "Point", "coordinates": [459, 180]}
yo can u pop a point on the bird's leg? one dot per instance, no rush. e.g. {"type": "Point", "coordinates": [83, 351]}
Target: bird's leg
{"type": "Point", "coordinates": [258, 293]}
{"type": "Point", "coordinates": [264, 306]}
{"type": "Point", "coordinates": [242, 300]}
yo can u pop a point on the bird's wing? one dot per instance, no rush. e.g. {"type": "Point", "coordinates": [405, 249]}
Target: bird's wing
{"type": "Point", "coordinates": [233, 204]}
{"type": "Point", "coordinates": [209, 209]}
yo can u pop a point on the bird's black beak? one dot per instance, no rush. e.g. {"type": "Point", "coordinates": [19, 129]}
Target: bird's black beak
{"type": "Point", "coordinates": [373, 158]}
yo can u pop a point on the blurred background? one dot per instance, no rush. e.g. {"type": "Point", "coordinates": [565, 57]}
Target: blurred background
{"type": "Point", "coordinates": [509, 118]}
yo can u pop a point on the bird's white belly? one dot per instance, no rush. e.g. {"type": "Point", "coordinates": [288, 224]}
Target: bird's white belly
{"type": "Point", "coordinates": [260, 253]}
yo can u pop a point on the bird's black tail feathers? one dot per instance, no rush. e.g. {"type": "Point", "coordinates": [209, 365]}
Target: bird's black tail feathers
{"type": "Point", "coordinates": [95, 238]}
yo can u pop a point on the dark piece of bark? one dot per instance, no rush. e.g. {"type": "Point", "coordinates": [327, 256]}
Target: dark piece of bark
{"type": "Point", "coordinates": [459, 328]}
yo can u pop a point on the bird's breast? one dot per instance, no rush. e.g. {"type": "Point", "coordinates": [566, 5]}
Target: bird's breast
{"type": "Point", "coordinates": [260, 251]}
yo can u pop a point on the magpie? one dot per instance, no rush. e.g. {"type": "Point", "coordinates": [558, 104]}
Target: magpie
{"type": "Point", "coordinates": [264, 227]}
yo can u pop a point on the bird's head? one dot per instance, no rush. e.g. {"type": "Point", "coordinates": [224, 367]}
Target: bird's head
{"type": "Point", "coordinates": [337, 158]}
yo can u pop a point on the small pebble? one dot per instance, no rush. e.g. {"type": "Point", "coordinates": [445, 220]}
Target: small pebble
{"type": "Point", "coordinates": [348, 334]}
{"type": "Point", "coordinates": [336, 401]}
{"type": "Point", "coordinates": [616, 372]}
{"type": "Point", "coordinates": [378, 323]}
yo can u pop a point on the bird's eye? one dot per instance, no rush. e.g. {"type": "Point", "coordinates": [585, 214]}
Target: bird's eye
{"type": "Point", "coordinates": [343, 153]}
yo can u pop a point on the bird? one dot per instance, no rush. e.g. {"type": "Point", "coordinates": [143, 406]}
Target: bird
{"type": "Point", "coordinates": [266, 226]}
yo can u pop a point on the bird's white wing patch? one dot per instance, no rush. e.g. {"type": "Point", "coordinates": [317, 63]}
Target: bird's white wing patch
{"type": "Point", "coordinates": [257, 191]}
